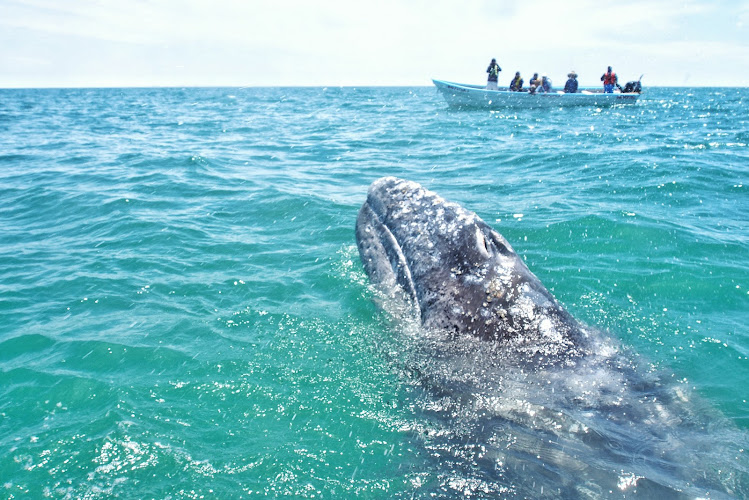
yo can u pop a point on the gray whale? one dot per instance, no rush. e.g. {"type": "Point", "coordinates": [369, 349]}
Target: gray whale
{"type": "Point", "coordinates": [458, 273]}
{"type": "Point", "coordinates": [522, 400]}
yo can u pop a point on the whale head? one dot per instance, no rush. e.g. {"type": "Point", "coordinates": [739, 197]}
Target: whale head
{"type": "Point", "coordinates": [459, 274]}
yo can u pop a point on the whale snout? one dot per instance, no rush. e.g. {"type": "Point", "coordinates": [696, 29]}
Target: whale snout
{"type": "Point", "coordinates": [458, 272]}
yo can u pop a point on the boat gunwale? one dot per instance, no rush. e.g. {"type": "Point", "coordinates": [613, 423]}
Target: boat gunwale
{"type": "Point", "coordinates": [440, 84]}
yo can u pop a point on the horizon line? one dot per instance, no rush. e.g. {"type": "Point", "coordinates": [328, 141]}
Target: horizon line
{"type": "Point", "coordinates": [240, 87]}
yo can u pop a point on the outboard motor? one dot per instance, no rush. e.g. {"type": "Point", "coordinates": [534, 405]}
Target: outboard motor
{"type": "Point", "coordinates": [632, 87]}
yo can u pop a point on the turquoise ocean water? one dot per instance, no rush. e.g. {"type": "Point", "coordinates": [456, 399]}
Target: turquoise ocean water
{"type": "Point", "coordinates": [183, 313]}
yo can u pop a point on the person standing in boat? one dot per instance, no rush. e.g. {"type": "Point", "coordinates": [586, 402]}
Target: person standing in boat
{"type": "Point", "coordinates": [609, 80]}
{"type": "Point", "coordinates": [493, 71]}
{"type": "Point", "coordinates": [571, 86]}
{"type": "Point", "coordinates": [516, 85]}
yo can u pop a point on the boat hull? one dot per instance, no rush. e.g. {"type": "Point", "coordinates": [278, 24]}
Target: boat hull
{"type": "Point", "coordinates": [460, 95]}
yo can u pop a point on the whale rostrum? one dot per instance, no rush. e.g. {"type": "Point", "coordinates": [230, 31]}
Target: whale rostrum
{"type": "Point", "coordinates": [458, 273]}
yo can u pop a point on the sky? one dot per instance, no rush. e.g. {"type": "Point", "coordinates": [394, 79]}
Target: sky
{"type": "Point", "coordinates": [145, 43]}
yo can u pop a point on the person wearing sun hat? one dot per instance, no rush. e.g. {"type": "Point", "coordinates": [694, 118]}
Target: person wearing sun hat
{"type": "Point", "coordinates": [571, 86]}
